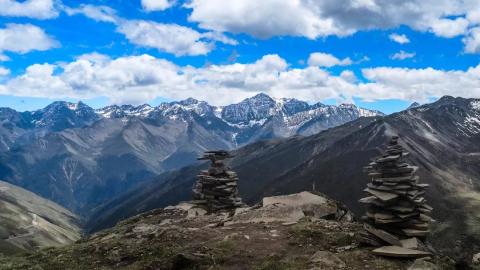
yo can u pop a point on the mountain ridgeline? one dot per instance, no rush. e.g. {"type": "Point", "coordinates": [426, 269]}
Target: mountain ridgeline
{"type": "Point", "coordinates": [80, 157]}
{"type": "Point", "coordinates": [443, 139]}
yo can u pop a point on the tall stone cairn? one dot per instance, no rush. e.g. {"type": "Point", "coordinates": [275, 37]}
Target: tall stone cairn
{"type": "Point", "coordinates": [216, 188]}
{"type": "Point", "coordinates": [397, 217]}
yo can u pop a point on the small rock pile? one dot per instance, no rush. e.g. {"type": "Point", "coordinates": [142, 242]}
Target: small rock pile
{"type": "Point", "coordinates": [397, 216]}
{"type": "Point", "coordinates": [216, 188]}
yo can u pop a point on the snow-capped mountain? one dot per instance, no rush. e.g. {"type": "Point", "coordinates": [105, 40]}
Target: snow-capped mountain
{"type": "Point", "coordinates": [289, 114]}
{"type": "Point", "coordinates": [80, 157]}
{"type": "Point", "coordinates": [61, 115]}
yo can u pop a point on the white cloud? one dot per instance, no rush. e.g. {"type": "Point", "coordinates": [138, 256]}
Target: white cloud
{"type": "Point", "coordinates": [263, 19]}
{"type": "Point", "coordinates": [157, 5]}
{"type": "Point", "coordinates": [472, 41]}
{"type": "Point", "coordinates": [401, 55]}
{"type": "Point", "coordinates": [327, 60]}
{"type": "Point", "coordinates": [166, 37]}
{"type": "Point", "coordinates": [4, 58]}
{"type": "Point", "coordinates": [402, 39]}
{"type": "Point", "coordinates": [23, 38]}
{"type": "Point", "coordinates": [37, 9]}
{"type": "Point", "coordinates": [217, 36]}
{"type": "Point", "coordinates": [315, 19]}
{"type": "Point", "coordinates": [171, 38]}
{"type": "Point", "coordinates": [449, 28]}
{"type": "Point", "coordinates": [97, 13]}
{"type": "Point", "coordinates": [4, 71]}
{"type": "Point", "coordinates": [419, 84]}
{"type": "Point", "coordinates": [140, 79]}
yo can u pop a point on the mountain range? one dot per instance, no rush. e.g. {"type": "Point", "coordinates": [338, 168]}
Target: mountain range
{"type": "Point", "coordinates": [80, 157]}
{"type": "Point", "coordinates": [443, 139]}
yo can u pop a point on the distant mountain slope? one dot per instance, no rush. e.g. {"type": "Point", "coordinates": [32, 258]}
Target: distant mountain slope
{"type": "Point", "coordinates": [79, 157]}
{"type": "Point", "coordinates": [443, 139]}
{"type": "Point", "coordinates": [28, 222]}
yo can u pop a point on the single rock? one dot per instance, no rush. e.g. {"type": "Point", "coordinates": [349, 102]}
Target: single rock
{"type": "Point", "coordinates": [327, 259]}
{"type": "Point", "coordinates": [185, 206]}
{"type": "Point", "coordinates": [298, 199]}
{"type": "Point", "coordinates": [195, 212]}
{"type": "Point", "coordinates": [310, 204]}
{"type": "Point", "coordinates": [476, 259]}
{"type": "Point", "coordinates": [385, 236]}
{"type": "Point", "coordinates": [412, 243]}
{"type": "Point", "coordinates": [400, 252]}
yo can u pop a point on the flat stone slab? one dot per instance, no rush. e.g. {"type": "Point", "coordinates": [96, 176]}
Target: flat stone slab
{"type": "Point", "coordinates": [413, 232]}
{"type": "Point", "coordinates": [298, 199]}
{"type": "Point", "coordinates": [385, 236]}
{"type": "Point", "coordinates": [383, 196]}
{"type": "Point", "coordinates": [411, 243]}
{"type": "Point", "coordinates": [400, 252]}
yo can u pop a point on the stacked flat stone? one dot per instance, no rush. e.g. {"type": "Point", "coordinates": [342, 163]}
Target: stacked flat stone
{"type": "Point", "coordinates": [397, 213]}
{"type": "Point", "coordinates": [216, 188]}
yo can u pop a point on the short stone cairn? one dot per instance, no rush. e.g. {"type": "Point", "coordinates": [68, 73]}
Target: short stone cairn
{"type": "Point", "coordinates": [216, 188]}
{"type": "Point", "coordinates": [397, 218]}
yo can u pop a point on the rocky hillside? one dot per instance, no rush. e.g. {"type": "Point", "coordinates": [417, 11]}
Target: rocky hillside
{"type": "Point", "coordinates": [300, 231]}
{"type": "Point", "coordinates": [79, 157]}
{"type": "Point", "coordinates": [443, 139]}
{"type": "Point", "coordinates": [28, 222]}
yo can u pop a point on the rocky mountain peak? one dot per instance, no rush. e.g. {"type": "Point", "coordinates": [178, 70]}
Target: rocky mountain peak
{"type": "Point", "coordinates": [261, 98]}
{"type": "Point", "coordinates": [61, 114]}
{"type": "Point", "coordinates": [256, 108]}
{"type": "Point", "coordinates": [414, 105]}
{"type": "Point", "coordinates": [188, 101]}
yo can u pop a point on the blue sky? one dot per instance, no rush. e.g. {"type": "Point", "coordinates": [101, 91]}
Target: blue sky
{"type": "Point", "coordinates": [150, 51]}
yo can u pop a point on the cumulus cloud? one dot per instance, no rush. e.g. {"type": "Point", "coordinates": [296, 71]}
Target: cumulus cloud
{"type": "Point", "coordinates": [472, 41]}
{"type": "Point", "coordinates": [23, 38]}
{"type": "Point", "coordinates": [327, 60]}
{"type": "Point", "coordinates": [314, 19]}
{"type": "Point", "coordinates": [97, 13]}
{"type": "Point", "coordinates": [171, 38]}
{"type": "Point", "coordinates": [37, 9]}
{"type": "Point", "coordinates": [419, 84]}
{"type": "Point", "coordinates": [157, 5]}
{"type": "Point", "coordinates": [401, 55]}
{"type": "Point", "coordinates": [402, 39]}
{"type": "Point", "coordinates": [140, 79]}
{"type": "Point", "coordinates": [4, 71]}
{"type": "Point", "coordinates": [4, 58]}
{"type": "Point", "coordinates": [449, 28]}
{"type": "Point", "coordinates": [166, 37]}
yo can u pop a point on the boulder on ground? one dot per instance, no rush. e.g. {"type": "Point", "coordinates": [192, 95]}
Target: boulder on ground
{"type": "Point", "coordinates": [292, 208]}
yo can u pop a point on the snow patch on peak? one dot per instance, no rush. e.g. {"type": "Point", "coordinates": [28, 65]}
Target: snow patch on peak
{"type": "Point", "coordinates": [475, 105]}
{"type": "Point", "coordinates": [115, 111]}
{"type": "Point", "coordinates": [72, 106]}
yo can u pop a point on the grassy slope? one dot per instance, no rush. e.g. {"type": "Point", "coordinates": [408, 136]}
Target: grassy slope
{"type": "Point", "coordinates": [28, 222]}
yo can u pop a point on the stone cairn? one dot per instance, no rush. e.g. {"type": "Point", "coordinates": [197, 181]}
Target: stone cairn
{"type": "Point", "coordinates": [397, 216]}
{"type": "Point", "coordinates": [216, 188]}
